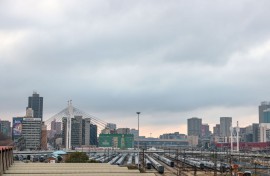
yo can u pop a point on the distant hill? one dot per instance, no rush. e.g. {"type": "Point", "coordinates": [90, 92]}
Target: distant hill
{"type": "Point", "coordinates": [5, 140]}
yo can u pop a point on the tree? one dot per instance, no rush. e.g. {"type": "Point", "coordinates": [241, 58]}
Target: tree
{"type": "Point", "coordinates": [77, 157]}
{"type": "Point", "coordinates": [59, 159]}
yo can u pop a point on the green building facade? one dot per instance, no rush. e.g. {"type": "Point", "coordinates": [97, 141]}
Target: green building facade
{"type": "Point", "coordinates": [122, 141]}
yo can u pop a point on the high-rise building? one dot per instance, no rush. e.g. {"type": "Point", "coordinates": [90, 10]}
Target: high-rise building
{"type": "Point", "coordinates": [266, 116]}
{"type": "Point", "coordinates": [264, 129]}
{"type": "Point", "coordinates": [64, 131]}
{"type": "Point", "coordinates": [264, 106]}
{"type": "Point", "coordinates": [205, 130]}
{"type": "Point", "coordinates": [82, 132]}
{"type": "Point", "coordinates": [255, 132]}
{"type": "Point", "coordinates": [31, 132]}
{"type": "Point", "coordinates": [56, 127]}
{"type": "Point", "coordinates": [76, 131]}
{"type": "Point", "coordinates": [194, 126]}
{"type": "Point", "coordinates": [216, 130]}
{"type": "Point", "coordinates": [93, 135]}
{"type": "Point", "coordinates": [36, 103]}
{"type": "Point", "coordinates": [225, 124]}
{"type": "Point", "coordinates": [86, 131]}
{"type": "Point", "coordinates": [5, 127]}
{"type": "Point", "coordinates": [248, 136]}
{"type": "Point", "coordinates": [43, 144]}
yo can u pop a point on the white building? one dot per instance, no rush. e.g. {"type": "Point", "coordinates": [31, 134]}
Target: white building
{"type": "Point", "coordinates": [134, 132]}
{"type": "Point", "coordinates": [264, 129]}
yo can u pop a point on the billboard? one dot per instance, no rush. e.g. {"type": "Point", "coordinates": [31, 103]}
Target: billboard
{"type": "Point", "coordinates": [116, 140]}
{"type": "Point", "coordinates": [17, 127]}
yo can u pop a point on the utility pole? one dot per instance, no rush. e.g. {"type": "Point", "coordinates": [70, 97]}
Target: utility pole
{"type": "Point", "coordinates": [230, 164]}
{"type": "Point", "coordinates": [177, 162]}
{"type": "Point", "coordinates": [215, 160]}
{"type": "Point", "coordinates": [143, 159]}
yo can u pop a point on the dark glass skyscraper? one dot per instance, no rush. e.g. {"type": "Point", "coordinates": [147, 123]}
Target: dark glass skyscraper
{"type": "Point", "coordinates": [264, 106]}
{"type": "Point", "coordinates": [93, 135]}
{"type": "Point", "coordinates": [36, 103]}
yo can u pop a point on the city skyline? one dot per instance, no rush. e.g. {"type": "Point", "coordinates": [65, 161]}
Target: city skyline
{"type": "Point", "coordinates": [183, 131]}
{"type": "Point", "coordinates": [169, 60]}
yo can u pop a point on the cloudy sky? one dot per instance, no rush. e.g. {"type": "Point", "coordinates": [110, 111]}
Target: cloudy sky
{"type": "Point", "coordinates": [171, 60]}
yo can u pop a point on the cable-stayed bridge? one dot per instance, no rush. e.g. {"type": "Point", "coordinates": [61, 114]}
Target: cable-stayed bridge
{"type": "Point", "coordinates": [70, 112]}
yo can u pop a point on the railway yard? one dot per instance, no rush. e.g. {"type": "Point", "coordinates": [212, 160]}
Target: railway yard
{"type": "Point", "coordinates": [185, 163]}
{"type": "Point", "coordinates": [171, 163]}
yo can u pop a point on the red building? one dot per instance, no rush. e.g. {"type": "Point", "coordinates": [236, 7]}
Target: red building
{"type": "Point", "coordinates": [245, 146]}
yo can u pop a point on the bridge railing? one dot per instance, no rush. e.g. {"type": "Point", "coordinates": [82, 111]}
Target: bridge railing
{"type": "Point", "coordinates": [6, 158]}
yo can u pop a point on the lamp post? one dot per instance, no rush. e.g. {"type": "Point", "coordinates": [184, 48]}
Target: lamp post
{"type": "Point", "coordinates": [138, 139]}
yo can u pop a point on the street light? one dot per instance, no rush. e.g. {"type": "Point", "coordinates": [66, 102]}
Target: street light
{"type": "Point", "coordinates": [138, 140]}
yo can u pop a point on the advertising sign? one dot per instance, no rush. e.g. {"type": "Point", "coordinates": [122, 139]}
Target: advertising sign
{"type": "Point", "coordinates": [17, 126]}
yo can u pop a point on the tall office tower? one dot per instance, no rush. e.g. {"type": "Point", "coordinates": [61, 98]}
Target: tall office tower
{"type": "Point", "coordinates": [82, 132]}
{"type": "Point", "coordinates": [266, 116]}
{"type": "Point", "coordinates": [248, 136]}
{"type": "Point", "coordinates": [225, 124]}
{"type": "Point", "coordinates": [93, 135]}
{"type": "Point", "coordinates": [194, 126]}
{"type": "Point", "coordinates": [56, 126]}
{"type": "Point", "coordinates": [255, 132]}
{"type": "Point", "coordinates": [5, 127]}
{"type": "Point", "coordinates": [216, 130]}
{"type": "Point", "coordinates": [36, 103]}
{"type": "Point", "coordinates": [86, 131]}
{"type": "Point", "coordinates": [31, 132]}
{"type": "Point", "coordinates": [264, 106]}
{"type": "Point", "coordinates": [205, 130]}
{"type": "Point", "coordinates": [64, 131]}
{"type": "Point", "coordinates": [76, 131]}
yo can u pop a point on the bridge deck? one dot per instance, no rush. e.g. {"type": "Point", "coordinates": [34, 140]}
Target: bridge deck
{"type": "Point", "coordinates": [74, 169]}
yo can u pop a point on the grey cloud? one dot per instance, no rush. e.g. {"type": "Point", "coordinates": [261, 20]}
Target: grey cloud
{"type": "Point", "coordinates": [116, 57]}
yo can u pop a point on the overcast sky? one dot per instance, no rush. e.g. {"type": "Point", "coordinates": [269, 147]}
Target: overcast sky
{"type": "Point", "coordinates": [171, 60]}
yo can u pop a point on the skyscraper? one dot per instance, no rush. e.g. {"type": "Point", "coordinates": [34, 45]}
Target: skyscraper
{"type": "Point", "coordinates": [5, 127]}
{"type": "Point", "coordinates": [205, 130]}
{"type": "Point", "coordinates": [266, 116]}
{"type": "Point", "coordinates": [264, 106]}
{"type": "Point", "coordinates": [255, 132]}
{"type": "Point", "coordinates": [194, 126]}
{"type": "Point", "coordinates": [56, 127]}
{"type": "Point", "coordinates": [225, 124]}
{"type": "Point", "coordinates": [82, 132]}
{"type": "Point", "coordinates": [36, 103]}
{"type": "Point", "coordinates": [216, 130]}
{"type": "Point", "coordinates": [93, 135]}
